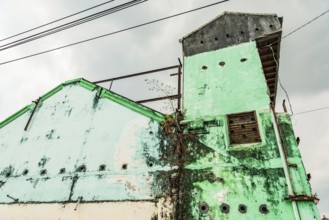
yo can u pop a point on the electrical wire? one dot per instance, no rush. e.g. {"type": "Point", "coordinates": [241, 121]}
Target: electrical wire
{"type": "Point", "coordinates": [297, 29]}
{"type": "Point", "coordinates": [312, 110]}
{"type": "Point", "coordinates": [285, 36]}
{"type": "Point", "coordinates": [115, 32]}
{"type": "Point", "coordinates": [57, 20]}
{"type": "Point", "coordinates": [282, 87]}
{"type": "Point", "coordinates": [70, 24]}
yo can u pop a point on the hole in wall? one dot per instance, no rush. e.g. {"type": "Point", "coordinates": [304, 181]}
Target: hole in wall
{"type": "Point", "coordinates": [227, 35]}
{"type": "Point", "coordinates": [221, 63]}
{"type": "Point", "coordinates": [203, 207]}
{"type": "Point", "coordinates": [243, 60]}
{"type": "Point", "coordinates": [271, 25]}
{"type": "Point", "coordinates": [201, 42]}
{"type": "Point", "coordinates": [62, 170]}
{"type": "Point", "coordinates": [124, 166]}
{"type": "Point", "coordinates": [242, 208]}
{"type": "Point", "coordinates": [243, 126]}
{"type": "Point", "coordinates": [25, 172]}
{"type": "Point", "coordinates": [82, 168]}
{"type": "Point", "coordinates": [256, 29]}
{"type": "Point", "coordinates": [150, 164]}
{"type": "Point", "coordinates": [102, 167]}
{"type": "Point", "coordinates": [8, 174]}
{"type": "Point", "coordinates": [216, 39]}
{"type": "Point", "coordinates": [224, 208]}
{"type": "Point", "coordinates": [263, 209]}
{"type": "Point", "coordinates": [242, 32]}
{"type": "Point", "coordinates": [204, 67]}
{"type": "Point", "coordinates": [43, 172]}
{"type": "Point", "coordinates": [151, 132]}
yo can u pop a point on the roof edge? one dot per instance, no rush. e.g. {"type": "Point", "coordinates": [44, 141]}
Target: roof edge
{"type": "Point", "coordinates": [223, 14]}
{"type": "Point", "coordinates": [104, 93]}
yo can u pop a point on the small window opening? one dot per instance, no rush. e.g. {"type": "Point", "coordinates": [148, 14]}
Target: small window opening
{"type": "Point", "coordinates": [224, 208]}
{"type": "Point", "coordinates": [124, 166]}
{"type": "Point", "coordinates": [25, 172]}
{"type": "Point", "coordinates": [242, 208]}
{"type": "Point", "coordinates": [62, 170]}
{"type": "Point", "coordinates": [203, 207]}
{"type": "Point", "coordinates": [243, 128]}
{"type": "Point", "coordinates": [102, 167]}
{"type": "Point", "coordinates": [43, 172]}
{"type": "Point", "coordinates": [263, 209]}
{"type": "Point", "coordinates": [82, 168]}
{"type": "Point", "coordinates": [8, 174]}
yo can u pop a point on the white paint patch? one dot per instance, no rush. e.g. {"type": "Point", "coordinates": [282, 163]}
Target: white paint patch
{"type": "Point", "coordinates": [128, 140]}
{"type": "Point", "coordinates": [84, 211]}
{"type": "Point", "coordinates": [221, 195]}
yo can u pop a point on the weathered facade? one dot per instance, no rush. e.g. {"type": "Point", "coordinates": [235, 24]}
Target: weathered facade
{"type": "Point", "coordinates": [84, 152]}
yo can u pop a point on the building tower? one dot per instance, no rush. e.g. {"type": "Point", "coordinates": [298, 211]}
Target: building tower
{"type": "Point", "coordinates": [246, 164]}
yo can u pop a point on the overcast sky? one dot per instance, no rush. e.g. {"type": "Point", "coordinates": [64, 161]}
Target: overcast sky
{"type": "Point", "coordinates": [304, 66]}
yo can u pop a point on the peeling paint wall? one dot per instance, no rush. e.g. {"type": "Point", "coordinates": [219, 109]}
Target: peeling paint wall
{"type": "Point", "coordinates": [236, 181]}
{"type": "Point", "coordinates": [82, 147]}
{"type": "Point", "coordinates": [217, 82]}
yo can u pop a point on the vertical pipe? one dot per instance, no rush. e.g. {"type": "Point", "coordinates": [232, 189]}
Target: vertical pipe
{"type": "Point", "coordinates": [284, 105]}
{"type": "Point", "coordinates": [30, 118]}
{"type": "Point", "coordinates": [179, 95]}
{"type": "Point", "coordinates": [284, 160]}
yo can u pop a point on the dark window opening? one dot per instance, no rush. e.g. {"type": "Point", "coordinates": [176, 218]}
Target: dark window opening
{"type": "Point", "coordinates": [243, 128]}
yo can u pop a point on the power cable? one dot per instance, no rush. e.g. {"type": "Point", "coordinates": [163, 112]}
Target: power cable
{"type": "Point", "coordinates": [304, 25]}
{"type": "Point", "coordinates": [70, 24]}
{"type": "Point", "coordinates": [287, 35]}
{"type": "Point", "coordinates": [312, 110]}
{"type": "Point", "coordinates": [282, 87]}
{"type": "Point", "coordinates": [52, 22]}
{"type": "Point", "coordinates": [297, 29]}
{"type": "Point", "coordinates": [112, 33]}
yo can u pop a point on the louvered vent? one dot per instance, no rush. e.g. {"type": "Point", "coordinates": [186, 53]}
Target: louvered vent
{"type": "Point", "coordinates": [243, 128]}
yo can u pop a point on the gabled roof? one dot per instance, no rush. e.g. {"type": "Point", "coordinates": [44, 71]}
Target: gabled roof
{"type": "Point", "coordinates": [102, 93]}
{"type": "Point", "coordinates": [222, 15]}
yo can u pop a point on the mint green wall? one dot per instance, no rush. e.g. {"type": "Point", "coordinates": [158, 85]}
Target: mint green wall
{"type": "Point", "coordinates": [235, 87]}
{"type": "Point", "coordinates": [72, 127]}
{"type": "Point", "coordinates": [248, 174]}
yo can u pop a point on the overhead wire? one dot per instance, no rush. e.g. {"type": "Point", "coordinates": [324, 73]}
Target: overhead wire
{"type": "Point", "coordinates": [115, 32]}
{"type": "Point", "coordinates": [277, 65]}
{"type": "Point", "coordinates": [312, 110]}
{"type": "Point", "coordinates": [70, 24]}
{"type": "Point", "coordinates": [57, 20]}
{"type": "Point", "coordinates": [282, 87]}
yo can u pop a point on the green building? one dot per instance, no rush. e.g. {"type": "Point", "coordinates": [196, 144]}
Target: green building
{"type": "Point", "coordinates": [82, 151]}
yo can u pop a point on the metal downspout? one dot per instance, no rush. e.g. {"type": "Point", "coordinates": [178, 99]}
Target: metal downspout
{"type": "Point", "coordinates": [284, 161]}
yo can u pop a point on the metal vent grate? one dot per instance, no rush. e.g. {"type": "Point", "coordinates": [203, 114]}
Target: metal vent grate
{"type": "Point", "coordinates": [243, 128]}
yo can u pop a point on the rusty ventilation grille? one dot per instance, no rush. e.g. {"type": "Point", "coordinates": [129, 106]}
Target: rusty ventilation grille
{"type": "Point", "coordinates": [243, 128]}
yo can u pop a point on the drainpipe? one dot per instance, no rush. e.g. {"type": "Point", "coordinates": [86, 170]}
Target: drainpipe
{"type": "Point", "coordinates": [283, 156]}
